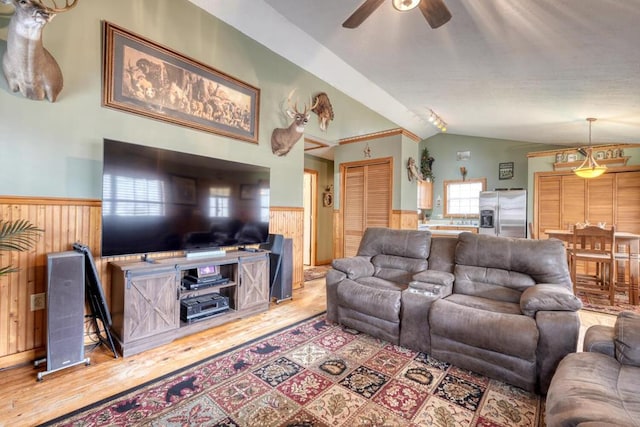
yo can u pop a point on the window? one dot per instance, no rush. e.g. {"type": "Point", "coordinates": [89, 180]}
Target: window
{"type": "Point", "coordinates": [219, 202]}
{"type": "Point", "coordinates": [263, 194]}
{"type": "Point", "coordinates": [129, 196]}
{"type": "Point", "coordinates": [462, 198]}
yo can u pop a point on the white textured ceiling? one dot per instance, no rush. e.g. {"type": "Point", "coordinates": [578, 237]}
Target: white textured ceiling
{"type": "Point", "coordinates": [529, 70]}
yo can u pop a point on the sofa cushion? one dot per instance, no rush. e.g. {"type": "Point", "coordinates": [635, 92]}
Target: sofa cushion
{"type": "Point", "coordinates": [372, 301]}
{"type": "Point", "coordinates": [403, 243]}
{"type": "Point", "coordinates": [627, 338]}
{"type": "Point", "coordinates": [378, 283]}
{"type": "Point", "coordinates": [501, 285]}
{"type": "Point", "coordinates": [396, 268]}
{"type": "Point", "coordinates": [544, 260]}
{"type": "Point", "coordinates": [593, 388]}
{"type": "Point", "coordinates": [503, 332]}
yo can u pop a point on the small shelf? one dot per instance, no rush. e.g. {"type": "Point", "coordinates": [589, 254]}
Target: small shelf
{"type": "Point", "coordinates": [616, 161]}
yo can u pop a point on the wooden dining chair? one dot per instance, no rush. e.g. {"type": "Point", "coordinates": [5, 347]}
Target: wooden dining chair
{"type": "Point", "coordinates": [593, 263]}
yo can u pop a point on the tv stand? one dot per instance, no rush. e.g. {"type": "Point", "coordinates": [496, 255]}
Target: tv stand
{"type": "Point", "coordinates": [146, 297]}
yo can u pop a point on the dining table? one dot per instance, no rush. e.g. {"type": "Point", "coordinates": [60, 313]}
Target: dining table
{"type": "Point", "coordinates": [622, 238]}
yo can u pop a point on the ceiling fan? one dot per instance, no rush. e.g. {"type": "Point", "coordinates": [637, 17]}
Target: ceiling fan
{"type": "Point", "coordinates": [434, 11]}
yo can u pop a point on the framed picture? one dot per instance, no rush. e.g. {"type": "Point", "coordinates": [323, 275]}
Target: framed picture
{"type": "Point", "coordinates": [572, 157]}
{"type": "Point", "coordinates": [248, 191]}
{"type": "Point", "coordinates": [505, 170]}
{"type": "Point", "coordinates": [599, 155]}
{"type": "Point", "coordinates": [184, 190]}
{"type": "Point", "coordinates": [463, 155]}
{"type": "Point", "coordinates": [145, 78]}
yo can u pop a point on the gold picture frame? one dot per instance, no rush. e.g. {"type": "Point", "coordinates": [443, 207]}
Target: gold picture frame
{"type": "Point", "coordinates": [145, 78]}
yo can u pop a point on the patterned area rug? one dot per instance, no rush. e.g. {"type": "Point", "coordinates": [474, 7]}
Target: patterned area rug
{"type": "Point", "coordinates": [313, 273]}
{"type": "Point", "coordinates": [317, 374]}
{"type": "Point", "coordinates": [600, 303]}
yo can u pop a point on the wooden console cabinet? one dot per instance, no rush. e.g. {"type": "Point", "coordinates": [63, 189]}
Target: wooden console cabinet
{"type": "Point", "coordinates": [146, 297]}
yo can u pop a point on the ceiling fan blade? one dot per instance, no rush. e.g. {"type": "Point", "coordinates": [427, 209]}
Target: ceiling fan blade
{"type": "Point", "coordinates": [362, 13]}
{"type": "Point", "coordinates": [435, 12]}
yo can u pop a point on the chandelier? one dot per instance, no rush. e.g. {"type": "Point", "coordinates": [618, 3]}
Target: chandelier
{"type": "Point", "coordinates": [589, 168]}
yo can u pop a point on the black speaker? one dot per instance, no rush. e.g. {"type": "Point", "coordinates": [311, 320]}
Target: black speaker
{"type": "Point", "coordinates": [281, 266]}
{"type": "Point", "coordinates": [65, 311]}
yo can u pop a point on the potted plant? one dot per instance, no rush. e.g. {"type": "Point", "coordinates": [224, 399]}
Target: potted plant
{"type": "Point", "coordinates": [426, 162]}
{"type": "Point", "coordinates": [18, 235]}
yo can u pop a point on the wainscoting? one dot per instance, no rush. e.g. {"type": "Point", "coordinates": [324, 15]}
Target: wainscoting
{"type": "Point", "coordinates": [66, 221]}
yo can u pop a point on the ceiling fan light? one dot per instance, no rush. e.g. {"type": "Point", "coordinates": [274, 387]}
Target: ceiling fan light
{"type": "Point", "coordinates": [404, 5]}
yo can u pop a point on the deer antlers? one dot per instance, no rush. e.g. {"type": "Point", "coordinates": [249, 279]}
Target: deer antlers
{"type": "Point", "coordinates": [294, 108]}
{"type": "Point", "coordinates": [69, 4]}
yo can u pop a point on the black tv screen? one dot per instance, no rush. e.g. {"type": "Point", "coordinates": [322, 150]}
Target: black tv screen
{"type": "Point", "coordinates": [156, 200]}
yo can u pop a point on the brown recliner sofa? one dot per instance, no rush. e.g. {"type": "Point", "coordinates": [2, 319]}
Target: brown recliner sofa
{"type": "Point", "coordinates": [601, 385]}
{"type": "Point", "coordinates": [498, 306]}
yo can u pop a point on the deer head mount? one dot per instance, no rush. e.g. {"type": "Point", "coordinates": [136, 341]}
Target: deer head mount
{"type": "Point", "coordinates": [28, 67]}
{"type": "Point", "coordinates": [283, 139]}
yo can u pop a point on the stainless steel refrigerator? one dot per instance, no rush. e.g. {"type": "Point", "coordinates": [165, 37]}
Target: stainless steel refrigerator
{"type": "Point", "coordinates": [503, 213]}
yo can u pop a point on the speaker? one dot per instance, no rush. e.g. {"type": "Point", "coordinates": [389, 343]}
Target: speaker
{"type": "Point", "coordinates": [281, 266]}
{"type": "Point", "coordinates": [65, 311]}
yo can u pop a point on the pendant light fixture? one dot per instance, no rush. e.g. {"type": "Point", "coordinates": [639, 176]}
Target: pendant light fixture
{"type": "Point", "coordinates": [404, 5]}
{"type": "Point", "coordinates": [589, 168]}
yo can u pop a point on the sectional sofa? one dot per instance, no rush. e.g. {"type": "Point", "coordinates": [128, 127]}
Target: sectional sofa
{"type": "Point", "coordinates": [498, 306]}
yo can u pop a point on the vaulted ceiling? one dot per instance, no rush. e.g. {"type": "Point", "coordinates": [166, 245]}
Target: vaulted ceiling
{"type": "Point", "coordinates": [528, 70]}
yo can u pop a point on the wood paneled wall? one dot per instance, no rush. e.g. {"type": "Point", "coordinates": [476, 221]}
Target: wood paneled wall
{"type": "Point", "coordinates": [66, 221]}
{"type": "Point", "coordinates": [404, 220]}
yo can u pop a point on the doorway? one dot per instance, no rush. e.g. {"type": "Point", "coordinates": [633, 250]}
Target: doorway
{"type": "Point", "coordinates": [310, 196]}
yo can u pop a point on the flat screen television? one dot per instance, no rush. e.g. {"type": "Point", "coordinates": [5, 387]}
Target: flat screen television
{"type": "Point", "coordinates": [157, 200]}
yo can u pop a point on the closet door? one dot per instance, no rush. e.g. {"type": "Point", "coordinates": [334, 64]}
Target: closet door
{"type": "Point", "coordinates": [548, 204]}
{"type": "Point", "coordinates": [628, 202]}
{"type": "Point", "coordinates": [600, 195]}
{"type": "Point", "coordinates": [367, 200]}
{"type": "Point", "coordinates": [572, 201]}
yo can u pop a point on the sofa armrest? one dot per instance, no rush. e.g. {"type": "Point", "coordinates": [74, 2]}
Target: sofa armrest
{"type": "Point", "coordinates": [548, 297]}
{"type": "Point", "coordinates": [599, 339]}
{"type": "Point", "coordinates": [435, 277]}
{"type": "Point", "coordinates": [354, 267]}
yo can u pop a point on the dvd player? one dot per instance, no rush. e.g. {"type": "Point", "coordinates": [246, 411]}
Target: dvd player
{"type": "Point", "coordinates": [191, 285]}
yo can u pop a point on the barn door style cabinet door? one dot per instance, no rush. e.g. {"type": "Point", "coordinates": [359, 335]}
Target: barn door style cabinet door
{"type": "Point", "coordinates": [253, 289]}
{"type": "Point", "coordinates": [144, 307]}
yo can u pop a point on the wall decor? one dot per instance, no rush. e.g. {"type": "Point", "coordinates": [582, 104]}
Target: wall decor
{"type": "Point", "coordinates": [145, 78]}
{"type": "Point", "coordinates": [327, 199]}
{"type": "Point", "coordinates": [573, 157]}
{"type": "Point", "coordinates": [248, 192]}
{"type": "Point", "coordinates": [184, 190]}
{"type": "Point", "coordinates": [505, 170]}
{"type": "Point", "coordinates": [463, 155]}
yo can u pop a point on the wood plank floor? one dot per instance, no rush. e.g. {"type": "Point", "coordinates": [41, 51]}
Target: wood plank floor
{"type": "Point", "coordinates": [26, 402]}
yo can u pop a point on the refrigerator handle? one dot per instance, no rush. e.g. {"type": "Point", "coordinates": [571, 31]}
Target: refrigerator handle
{"type": "Point", "coordinates": [498, 226]}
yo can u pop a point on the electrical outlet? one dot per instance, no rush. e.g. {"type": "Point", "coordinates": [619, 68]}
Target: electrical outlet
{"type": "Point", "coordinates": [38, 302]}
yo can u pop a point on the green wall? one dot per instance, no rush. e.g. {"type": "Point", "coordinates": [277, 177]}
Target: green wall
{"type": "Point", "coordinates": [55, 150]}
{"type": "Point", "coordinates": [486, 155]}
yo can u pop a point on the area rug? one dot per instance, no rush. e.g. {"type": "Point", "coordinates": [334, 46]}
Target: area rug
{"type": "Point", "coordinates": [600, 303]}
{"type": "Point", "coordinates": [317, 374]}
{"type": "Point", "coordinates": [318, 272]}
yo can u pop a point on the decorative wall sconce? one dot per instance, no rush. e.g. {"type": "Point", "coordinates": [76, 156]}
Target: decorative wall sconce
{"type": "Point", "coordinates": [327, 196]}
{"type": "Point", "coordinates": [437, 121]}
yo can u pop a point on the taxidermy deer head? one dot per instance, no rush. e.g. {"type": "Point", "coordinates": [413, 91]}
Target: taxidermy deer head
{"type": "Point", "coordinates": [283, 139]}
{"type": "Point", "coordinates": [27, 65]}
